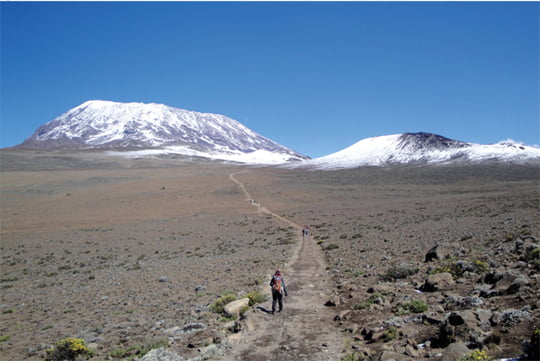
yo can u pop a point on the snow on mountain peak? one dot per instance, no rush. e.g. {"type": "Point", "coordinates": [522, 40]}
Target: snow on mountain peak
{"type": "Point", "coordinates": [156, 129]}
{"type": "Point", "coordinates": [420, 148]}
{"type": "Point", "coordinates": [106, 124]}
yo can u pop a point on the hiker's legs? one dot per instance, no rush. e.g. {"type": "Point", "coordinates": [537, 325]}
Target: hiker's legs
{"type": "Point", "coordinates": [274, 300]}
{"type": "Point", "coordinates": [277, 298]}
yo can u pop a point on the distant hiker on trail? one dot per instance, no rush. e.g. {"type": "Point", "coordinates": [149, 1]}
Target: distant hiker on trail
{"type": "Point", "coordinates": [278, 290]}
{"type": "Point", "coordinates": [305, 232]}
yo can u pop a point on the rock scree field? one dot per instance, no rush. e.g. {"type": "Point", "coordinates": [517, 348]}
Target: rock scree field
{"type": "Point", "coordinates": [403, 263]}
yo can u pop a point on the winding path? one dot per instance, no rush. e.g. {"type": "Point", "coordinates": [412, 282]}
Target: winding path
{"type": "Point", "coordinates": [304, 330]}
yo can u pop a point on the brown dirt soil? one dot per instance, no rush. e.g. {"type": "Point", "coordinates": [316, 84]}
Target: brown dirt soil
{"type": "Point", "coordinates": [124, 252]}
{"type": "Point", "coordinates": [303, 330]}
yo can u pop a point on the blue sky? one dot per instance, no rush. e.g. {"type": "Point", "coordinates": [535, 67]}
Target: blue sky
{"type": "Point", "coordinates": [313, 76]}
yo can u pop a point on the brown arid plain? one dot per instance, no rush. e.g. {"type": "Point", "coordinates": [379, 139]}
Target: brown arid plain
{"type": "Point", "coordinates": [402, 262]}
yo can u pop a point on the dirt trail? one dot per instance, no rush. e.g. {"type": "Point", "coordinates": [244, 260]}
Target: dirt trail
{"type": "Point", "coordinates": [304, 330]}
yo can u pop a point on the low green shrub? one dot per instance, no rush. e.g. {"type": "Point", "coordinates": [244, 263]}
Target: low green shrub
{"type": "Point", "coordinates": [453, 268]}
{"type": "Point", "coordinates": [218, 305]}
{"type": "Point", "coordinates": [361, 305]}
{"type": "Point", "coordinates": [399, 272]}
{"type": "Point", "coordinates": [243, 310]}
{"type": "Point", "coordinates": [374, 298]}
{"type": "Point", "coordinates": [458, 268]}
{"type": "Point", "coordinates": [390, 334]}
{"type": "Point", "coordinates": [136, 351]}
{"type": "Point", "coordinates": [68, 349]}
{"type": "Point", "coordinates": [352, 357]}
{"type": "Point", "coordinates": [480, 266]}
{"type": "Point", "coordinates": [256, 297]}
{"type": "Point", "coordinates": [413, 306]}
{"type": "Point", "coordinates": [475, 355]}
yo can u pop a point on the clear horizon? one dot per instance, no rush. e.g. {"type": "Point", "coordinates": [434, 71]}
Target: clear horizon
{"type": "Point", "coordinates": [315, 77]}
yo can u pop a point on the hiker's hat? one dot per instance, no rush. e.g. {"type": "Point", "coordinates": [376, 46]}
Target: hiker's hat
{"type": "Point", "coordinates": [278, 273]}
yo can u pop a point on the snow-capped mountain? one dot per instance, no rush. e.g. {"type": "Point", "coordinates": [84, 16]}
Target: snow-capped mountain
{"type": "Point", "coordinates": [421, 148]}
{"type": "Point", "coordinates": [139, 130]}
{"type": "Point", "coordinates": [154, 129]}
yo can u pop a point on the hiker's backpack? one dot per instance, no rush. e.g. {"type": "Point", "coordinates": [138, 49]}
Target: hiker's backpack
{"type": "Point", "coordinates": [277, 284]}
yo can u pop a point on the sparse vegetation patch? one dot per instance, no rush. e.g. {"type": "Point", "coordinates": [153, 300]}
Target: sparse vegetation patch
{"type": "Point", "coordinates": [68, 349]}
{"type": "Point", "coordinates": [219, 304]}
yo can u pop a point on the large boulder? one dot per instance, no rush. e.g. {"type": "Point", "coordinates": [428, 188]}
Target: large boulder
{"type": "Point", "coordinates": [160, 354]}
{"type": "Point", "coordinates": [455, 351]}
{"type": "Point", "coordinates": [438, 282]}
{"type": "Point", "coordinates": [527, 248]}
{"type": "Point", "coordinates": [176, 332]}
{"type": "Point", "coordinates": [511, 282]}
{"type": "Point", "coordinates": [233, 308]}
{"type": "Point", "coordinates": [469, 327]}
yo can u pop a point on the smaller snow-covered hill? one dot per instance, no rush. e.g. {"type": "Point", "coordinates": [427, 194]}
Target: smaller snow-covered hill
{"type": "Point", "coordinates": [421, 148]}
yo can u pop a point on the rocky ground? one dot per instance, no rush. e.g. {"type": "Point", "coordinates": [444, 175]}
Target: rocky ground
{"type": "Point", "coordinates": [132, 253]}
{"type": "Point", "coordinates": [423, 257]}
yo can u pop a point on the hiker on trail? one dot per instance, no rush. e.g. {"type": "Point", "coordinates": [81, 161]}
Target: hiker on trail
{"type": "Point", "coordinates": [278, 290]}
{"type": "Point", "coordinates": [305, 232]}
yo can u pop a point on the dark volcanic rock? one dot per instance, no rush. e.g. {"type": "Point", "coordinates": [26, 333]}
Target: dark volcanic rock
{"type": "Point", "coordinates": [438, 252]}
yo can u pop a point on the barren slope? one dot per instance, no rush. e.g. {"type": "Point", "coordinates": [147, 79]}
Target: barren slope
{"type": "Point", "coordinates": [123, 252]}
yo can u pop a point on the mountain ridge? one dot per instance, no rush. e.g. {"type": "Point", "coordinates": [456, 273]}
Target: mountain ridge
{"type": "Point", "coordinates": [99, 124]}
{"type": "Point", "coordinates": [421, 148]}
{"type": "Point", "coordinates": [150, 130]}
